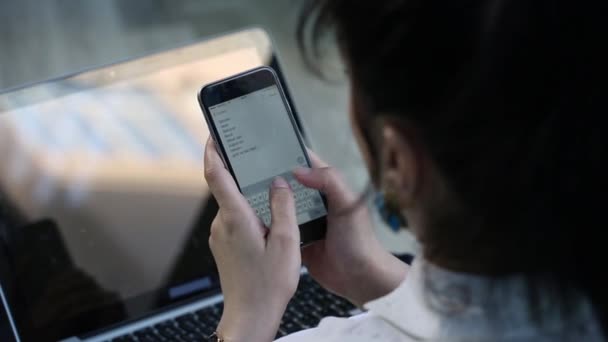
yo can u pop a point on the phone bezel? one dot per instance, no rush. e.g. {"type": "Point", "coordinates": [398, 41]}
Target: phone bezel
{"type": "Point", "coordinates": [241, 85]}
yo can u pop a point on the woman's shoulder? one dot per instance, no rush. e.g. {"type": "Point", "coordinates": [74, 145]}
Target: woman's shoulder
{"type": "Point", "coordinates": [433, 304]}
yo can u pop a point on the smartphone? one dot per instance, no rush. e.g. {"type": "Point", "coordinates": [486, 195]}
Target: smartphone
{"type": "Point", "coordinates": [250, 120]}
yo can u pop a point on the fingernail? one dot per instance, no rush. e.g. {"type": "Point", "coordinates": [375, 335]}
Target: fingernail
{"type": "Point", "coordinates": [302, 171]}
{"type": "Point", "coordinates": [279, 182]}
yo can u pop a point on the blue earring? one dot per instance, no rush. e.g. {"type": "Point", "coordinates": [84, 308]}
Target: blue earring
{"type": "Point", "coordinates": [390, 212]}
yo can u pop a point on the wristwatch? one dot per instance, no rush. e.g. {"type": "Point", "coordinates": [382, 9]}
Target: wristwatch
{"type": "Point", "coordinates": [215, 338]}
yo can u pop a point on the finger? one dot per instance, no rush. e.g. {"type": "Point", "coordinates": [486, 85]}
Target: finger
{"type": "Point", "coordinates": [284, 228]}
{"type": "Point", "coordinates": [315, 160]}
{"type": "Point", "coordinates": [328, 181]}
{"type": "Point", "coordinates": [220, 181]}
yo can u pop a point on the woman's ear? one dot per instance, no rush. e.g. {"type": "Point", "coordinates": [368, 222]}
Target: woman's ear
{"type": "Point", "coordinates": [399, 164]}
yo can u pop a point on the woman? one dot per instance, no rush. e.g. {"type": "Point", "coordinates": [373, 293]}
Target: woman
{"type": "Point", "coordinates": [480, 122]}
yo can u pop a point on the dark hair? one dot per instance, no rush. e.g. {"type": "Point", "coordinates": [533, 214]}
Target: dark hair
{"type": "Point", "coordinates": [508, 98]}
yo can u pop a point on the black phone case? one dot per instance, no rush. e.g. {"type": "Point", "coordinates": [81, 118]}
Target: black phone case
{"type": "Point", "coordinates": [310, 231]}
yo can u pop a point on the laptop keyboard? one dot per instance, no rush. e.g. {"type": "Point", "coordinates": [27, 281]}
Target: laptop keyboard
{"type": "Point", "coordinates": [308, 306]}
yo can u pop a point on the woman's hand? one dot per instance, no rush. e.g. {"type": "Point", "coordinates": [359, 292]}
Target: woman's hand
{"type": "Point", "coordinates": [350, 261]}
{"type": "Point", "coordinates": [259, 268]}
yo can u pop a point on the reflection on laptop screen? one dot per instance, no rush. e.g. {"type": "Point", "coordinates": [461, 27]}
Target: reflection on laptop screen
{"type": "Point", "coordinates": [103, 175]}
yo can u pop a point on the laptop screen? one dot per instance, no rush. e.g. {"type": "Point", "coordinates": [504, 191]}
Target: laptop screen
{"type": "Point", "coordinates": [104, 211]}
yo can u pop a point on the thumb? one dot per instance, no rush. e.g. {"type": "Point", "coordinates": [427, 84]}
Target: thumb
{"type": "Point", "coordinates": [284, 226]}
{"type": "Point", "coordinates": [328, 181]}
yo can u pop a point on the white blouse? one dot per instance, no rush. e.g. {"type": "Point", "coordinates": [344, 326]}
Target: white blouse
{"type": "Point", "coordinates": [433, 304]}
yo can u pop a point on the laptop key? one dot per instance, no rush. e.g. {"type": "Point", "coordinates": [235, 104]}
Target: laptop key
{"type": "Point", "coordinates": [168, 332]}
{"type": "Point", "coordinates": [144, 333]}
{"type": "Point", "coordinates": [189, 337]}
{"type": "Point", "coordinates": [290, 327]}
{"type": "Point", "coordinates": [127, 338]}
{"type": "Point", "coordinates": [164, 325]}
{"type": "Point", "coordinates": [190, 326]}
{"type": "Point", "coordinates": [208, 331]}
{"type": "Point", "coordinates": [280, 333]}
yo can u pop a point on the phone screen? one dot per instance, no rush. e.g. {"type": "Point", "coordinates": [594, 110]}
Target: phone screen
{"type": "Point", "coordinates": [261, 143]}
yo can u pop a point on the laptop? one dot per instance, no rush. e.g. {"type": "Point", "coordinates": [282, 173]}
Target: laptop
{"type": "Point", "coordinates": [104, 211]}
